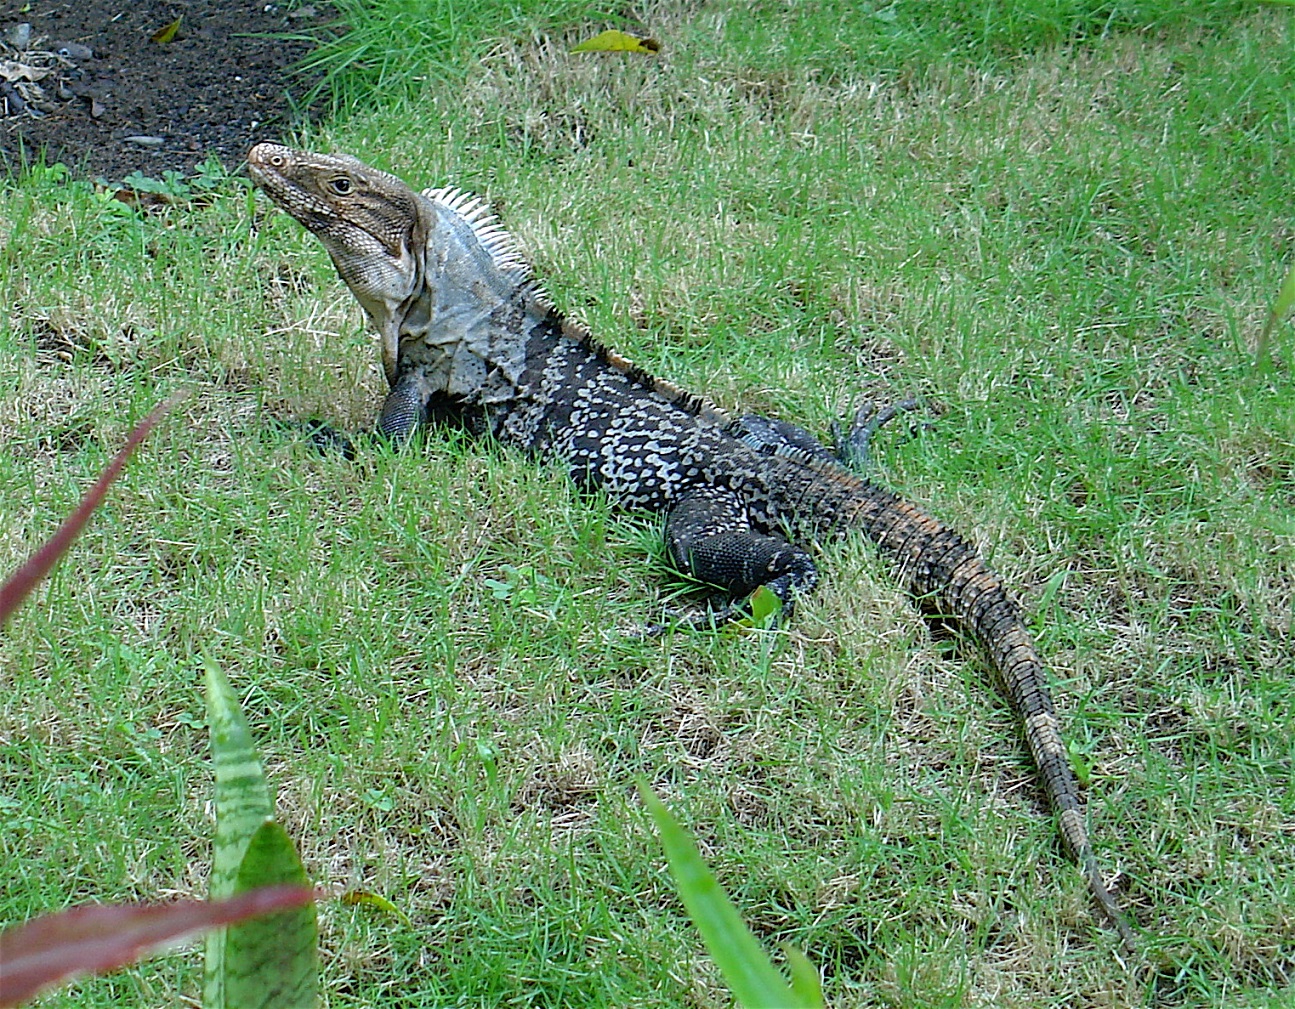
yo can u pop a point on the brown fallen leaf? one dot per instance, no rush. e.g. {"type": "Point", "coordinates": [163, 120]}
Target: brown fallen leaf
{"type": "Point", "coordinates": [139, 200]}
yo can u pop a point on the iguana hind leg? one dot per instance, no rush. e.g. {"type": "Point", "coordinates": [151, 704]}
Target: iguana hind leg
{"type": "Point", "coordinates": [852, 448]}
{"type": "Point", "coordinates": [709, 535]}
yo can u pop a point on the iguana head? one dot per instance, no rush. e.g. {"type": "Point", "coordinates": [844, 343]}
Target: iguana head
{"type": "Point", "coordinates": [444, 285]}
{"type": "Point", "coordinates": [373, 226]}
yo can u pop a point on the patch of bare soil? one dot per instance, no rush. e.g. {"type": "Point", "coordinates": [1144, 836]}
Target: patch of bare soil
{"type": "Point", "coordinates": [87, 83]}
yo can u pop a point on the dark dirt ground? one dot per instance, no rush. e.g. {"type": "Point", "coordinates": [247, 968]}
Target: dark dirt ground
{"type": "Point", "coordinates": [102, 80]}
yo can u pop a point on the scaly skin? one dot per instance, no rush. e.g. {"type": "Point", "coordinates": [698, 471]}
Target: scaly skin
{"type": "Point", "coordinates": [468, 337]}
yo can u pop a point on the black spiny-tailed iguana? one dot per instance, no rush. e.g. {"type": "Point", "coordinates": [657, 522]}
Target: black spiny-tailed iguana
{"type": "Point", "coordinates": [468, 336]}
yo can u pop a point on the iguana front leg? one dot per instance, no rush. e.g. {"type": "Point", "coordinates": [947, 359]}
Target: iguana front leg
{"type": "Point", "coordinates": [709, 536]}
{"type": "Point", "coordinates": [404, 408]}
{"type": "Point", "coordinates": [402, 411]}
{"type": "Point", "coordinates": [411, 403]}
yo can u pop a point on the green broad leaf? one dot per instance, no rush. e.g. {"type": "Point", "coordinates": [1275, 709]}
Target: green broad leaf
{"type": "Point", "coordinates": [242, 805]}
{"type": "Point", "coordinates": [747, 969]}
{"type": "Point", "coordinates": [272, 962]}
{"type": "Point", "coordinates": [617, 42]}
{"type": "Point", "coordinates": [805, 982]}
{"type": "Point", "coordinates": [1042, 613]}
{"type": "Point", "coordinates": [1281, 308]}
{"type": "Point", "coordinates": [765, 605]}
{"type": "Point", "coordinates": [242, 797]}
{"type": "Point", "coordinates": [1079, 764]}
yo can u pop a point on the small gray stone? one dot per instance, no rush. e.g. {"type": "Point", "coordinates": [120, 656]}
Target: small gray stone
{"type": "Point", "coordinates": [73, 51]}
{"type": "Point", "coordinates": [17, 35]}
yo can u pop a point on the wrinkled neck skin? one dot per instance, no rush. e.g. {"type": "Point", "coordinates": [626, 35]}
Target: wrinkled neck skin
{"type": "Point", "coordinates": [387, 280]}
{"type": "Point", "coordinates": [386, 288]}
{"type": "Point", "coordinates": [465, 325]}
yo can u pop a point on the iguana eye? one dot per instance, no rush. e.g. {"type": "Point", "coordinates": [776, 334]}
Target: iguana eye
{"type": "Point", "coordinates": [340, 185]}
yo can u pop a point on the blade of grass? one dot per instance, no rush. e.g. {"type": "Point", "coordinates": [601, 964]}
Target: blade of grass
{"type": "Point", "coordinates": [751, 976]}
{"type": "Point", "coordinates": [1281, 308]}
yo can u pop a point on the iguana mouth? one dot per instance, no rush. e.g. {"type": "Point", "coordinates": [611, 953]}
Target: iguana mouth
{"type": "Point", "coordinates": [266, 164]}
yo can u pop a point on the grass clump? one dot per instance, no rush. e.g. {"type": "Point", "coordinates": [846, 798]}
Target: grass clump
{"type": "Point", "coordinates": [396, 47]}
{"type": "Point", "coordinates": [910, 38]}
{"type": "Point", "coordinates": [408, 48]}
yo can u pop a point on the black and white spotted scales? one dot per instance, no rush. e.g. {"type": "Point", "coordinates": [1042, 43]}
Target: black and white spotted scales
{"type": "Point", "coordinates": [468, 337]}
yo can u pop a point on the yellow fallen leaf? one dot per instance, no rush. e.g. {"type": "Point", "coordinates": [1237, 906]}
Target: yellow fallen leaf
{"type": "Point", "coordinates": [376, 901]}
{"type": "Point", "coordinates": [617, 42]}
{"type": "Point", "coordinates": [167, 34]}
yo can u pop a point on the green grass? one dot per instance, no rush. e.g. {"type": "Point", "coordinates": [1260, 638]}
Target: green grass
{"type": "Point", "coordinates": [395, 47]}
{"type": "Point", "coordinates": [1069, 252]}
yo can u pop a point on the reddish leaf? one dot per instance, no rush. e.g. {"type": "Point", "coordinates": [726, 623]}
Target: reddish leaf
{"type": "Point", "coordinates": [95, 938]}
{"type": "Point", "coordinates": [20, 584]}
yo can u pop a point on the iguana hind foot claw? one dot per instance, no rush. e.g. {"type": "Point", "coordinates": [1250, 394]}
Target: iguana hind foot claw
{"type": "Point", "coordinates": [854, 450]}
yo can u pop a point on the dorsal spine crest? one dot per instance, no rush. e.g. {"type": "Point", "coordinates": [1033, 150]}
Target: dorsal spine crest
{"type": "Point", "coordinates": [508, 257]}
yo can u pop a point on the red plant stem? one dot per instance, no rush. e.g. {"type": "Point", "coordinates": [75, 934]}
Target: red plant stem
{"type": "Point", "coordinates": [20, 584]}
